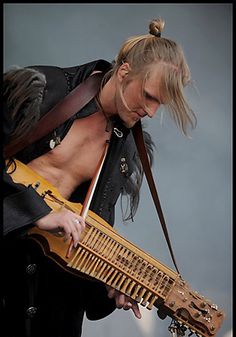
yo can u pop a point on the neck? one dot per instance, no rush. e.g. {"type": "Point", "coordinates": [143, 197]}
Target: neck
{"type": "Point", "coordinates": [107, 99]}
{"type": "Point", "coordinates": [107, 118]}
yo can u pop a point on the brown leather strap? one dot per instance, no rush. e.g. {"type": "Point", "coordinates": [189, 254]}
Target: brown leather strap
{"type": "Point", "coordinates": [138, 137]}
{"type": "Point", "coordinates": [61, 112]}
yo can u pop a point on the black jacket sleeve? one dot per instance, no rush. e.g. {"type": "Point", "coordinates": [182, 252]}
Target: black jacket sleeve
{"type": "Point", "coordinates": [22, 206]}
{"type": "Point", "coordinates": [98, 304]}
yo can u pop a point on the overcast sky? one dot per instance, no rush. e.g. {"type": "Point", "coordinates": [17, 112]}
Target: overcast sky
{"type": "Point", "coordinates": [193, 175]}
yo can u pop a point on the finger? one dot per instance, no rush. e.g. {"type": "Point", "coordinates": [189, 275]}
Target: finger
{"type": "Point", "coordinates": [111, 292]}
{"type": "Point", "coordinates": [79, 223]}
{"type": "Point", "coordinates": [76, 221]}
{"type": "Point", "coordinates": [136, 310]}
{"type": "Point", "coordinates": [75, 236]}
{"type": "Point", "coordinates": [67, 233]}
{"type": "Point", "coordinates": [127, 306]}
{"type": "Point", "coordinates": [120, 300]}
{"type": "Point", "coordinates": [82, 223]}
{"type": "Point", "coordinates": [77, 229]}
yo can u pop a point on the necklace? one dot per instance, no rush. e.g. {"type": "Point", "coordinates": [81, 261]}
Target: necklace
{"type": "Point", "coordinates": [109, 122]}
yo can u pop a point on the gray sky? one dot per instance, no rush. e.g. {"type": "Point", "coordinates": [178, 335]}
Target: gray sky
{"type": "Point", "coordinates": [193, 176]}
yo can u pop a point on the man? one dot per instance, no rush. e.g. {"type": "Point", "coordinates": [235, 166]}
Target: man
{"type": "Point", "coordinates": [149, 71]}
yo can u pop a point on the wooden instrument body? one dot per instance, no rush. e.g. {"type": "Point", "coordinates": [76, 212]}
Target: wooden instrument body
{"type": "Point", "coordinates": [105, 256]}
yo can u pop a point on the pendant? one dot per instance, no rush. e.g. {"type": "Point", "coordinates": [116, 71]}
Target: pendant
{"type": "Point", "coordinates": [52, 144]}
{"type": "Point", "coordinates": [123, 166]}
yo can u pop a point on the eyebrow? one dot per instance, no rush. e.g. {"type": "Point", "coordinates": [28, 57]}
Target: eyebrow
{"type": "Point", "coordinates": [156, 99]}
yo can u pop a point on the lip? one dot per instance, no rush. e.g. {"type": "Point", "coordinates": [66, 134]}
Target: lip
{"type": "Point", "coordinates": [138, 115]}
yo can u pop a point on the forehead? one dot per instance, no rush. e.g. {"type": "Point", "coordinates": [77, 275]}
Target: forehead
{"type": "Point", "coordinates": [154, 82]}
{"type": "Point", "coordinates": [154, 75]}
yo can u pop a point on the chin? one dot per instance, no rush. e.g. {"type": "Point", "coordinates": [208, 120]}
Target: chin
{"type": "Point", "coordinates": [130, 124]}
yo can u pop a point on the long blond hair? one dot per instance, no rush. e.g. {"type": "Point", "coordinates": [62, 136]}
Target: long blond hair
{"type": "Point", "coordinates": [146, 51]}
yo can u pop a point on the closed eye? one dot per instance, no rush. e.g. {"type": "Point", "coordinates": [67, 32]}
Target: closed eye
{"type": "Point", "coordinates": [151, 98]}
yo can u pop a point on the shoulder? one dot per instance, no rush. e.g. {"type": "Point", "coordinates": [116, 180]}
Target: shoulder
{"type": "Point", "coordinates": [81, 71]}
{"type": "Point", "coordinates": [61, 80]}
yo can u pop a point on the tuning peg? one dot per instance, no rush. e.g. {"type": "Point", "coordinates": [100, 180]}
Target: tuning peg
{"type": "Point", "coordinates": [191, 332]}
{"type": "Point", "coordinates": [202, 304]}
{"type": "Point", "coordinates": [197, 314]}
{"type": "Point", "coordinates": [212, 328]}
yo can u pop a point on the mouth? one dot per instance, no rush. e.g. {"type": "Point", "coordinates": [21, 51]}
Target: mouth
{"type": "Point", "coordinates": [138, 116]}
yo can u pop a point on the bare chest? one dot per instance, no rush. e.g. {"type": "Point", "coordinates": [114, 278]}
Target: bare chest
{"type": "Point", "coordinates": [74, 160]}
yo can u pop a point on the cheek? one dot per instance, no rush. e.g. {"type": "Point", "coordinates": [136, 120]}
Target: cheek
{"type": "Point", "coordinates": [119, 101]}
{"type": "Point", "coordinates": [132, 96]}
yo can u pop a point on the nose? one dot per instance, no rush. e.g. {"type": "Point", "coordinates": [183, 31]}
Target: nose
{"type": "Point", "coordinates": [152, 111]}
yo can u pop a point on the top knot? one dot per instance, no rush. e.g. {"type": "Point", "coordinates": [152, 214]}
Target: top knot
{"type": "Point", "coordinates": [156, 27]}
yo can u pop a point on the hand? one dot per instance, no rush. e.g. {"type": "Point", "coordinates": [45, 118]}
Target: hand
{"type": "Point", "coordinates": [65, 222]}
{"type": "Point", "coordinates": [123, 301]}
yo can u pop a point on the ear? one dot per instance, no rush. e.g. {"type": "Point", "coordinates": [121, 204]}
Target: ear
{"type": "Point", "coordinates": [123, 71]}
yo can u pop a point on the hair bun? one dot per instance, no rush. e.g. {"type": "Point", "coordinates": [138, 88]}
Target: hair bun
{"type": "Point", "coordinates": [156, 27]}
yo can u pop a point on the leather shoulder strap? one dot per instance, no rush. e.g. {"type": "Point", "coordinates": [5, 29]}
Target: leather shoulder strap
{"type": "Point", "coordinates": [140, 144]}
{"type": "Point", "coordinates": [61, 112]}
